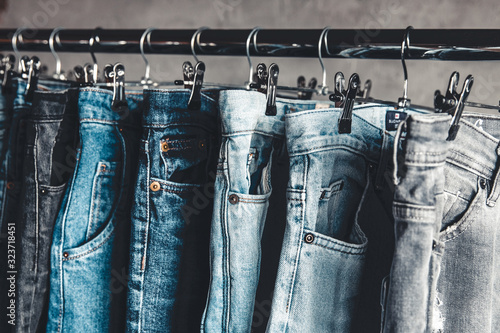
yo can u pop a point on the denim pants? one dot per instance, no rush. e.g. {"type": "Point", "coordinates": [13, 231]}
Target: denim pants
{"type": "Point", "coordinates": [337, 246]}
{"type": "Point", "coordinates": [10, 191]}
{"type": "Point", "coordinates": [447, 228]}
{"type": "Point", "coordinates": [171, 214]}
{"type": "Point", "coordinates": [89, 255]}
{"type": "Point", "coordinates": [51, 138]}
{"type": "Point", "coordinates": [250, 142]}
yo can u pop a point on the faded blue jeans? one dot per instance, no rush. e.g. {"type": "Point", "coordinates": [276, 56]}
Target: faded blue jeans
{"type": "Point", "coordinates": [171, 214]}
{"type": "Point", "coordinates": [89, 256]}
{"type": "Point", "coordinates": [251, 141]}
{"type": "Point", "coordinates": [339, 236]}
{"type": "Point", "coordinates": [445, 275]}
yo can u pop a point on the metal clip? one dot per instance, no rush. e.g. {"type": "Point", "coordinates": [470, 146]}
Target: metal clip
{"type": "Point", "coordinates": [345, 119]}
{"type": "Point", "coordinates": [338, 95]}
{"type": "Point", "coordinates": [8, 63]}
{"type": "Point", "coordinates": [34, 66]}
{"type": "Point", "coordinates": [119, 102]}
{"type": "Point", "coordinates": [301, 83]}
{"type": "Point", "coordinates": [272, 84]}
{"type": "Point", "coordinates": [108, 73]}
{"type": "Point", "coordinates": [79, 73]}
{"type": "Point", "coordinates": [365, 93]}
{"type": "Point", "coordinates": [454, 127]}
{"type": "Point", "coordinates": [448, 102]}
{"type": "Point", "coordinates": [195, 97]}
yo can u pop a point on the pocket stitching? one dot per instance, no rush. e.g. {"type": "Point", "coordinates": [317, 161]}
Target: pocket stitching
{"type": "Point", "coordinates": [91, 250]}
{"type": "Point", "coordinates": [456, 229]}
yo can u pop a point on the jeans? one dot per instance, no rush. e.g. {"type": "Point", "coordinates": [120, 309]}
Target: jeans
{"type": "Point", "coordinates": [468, 288]}
{"type": "Point", "coordinates": [171, 214]}
{"type": "Point", "coordinates": [10, 191]}
{"type": "Point", "coordinates": [337, 245]}
{"type": "Point", "coordinates": [51, 137]}
{"type": "Point", "coordinates": [89, 255]}
{"type": "Point", "coordinates": [250, 142]}
{"type": "Point", "coordinates": [447, 228]}
{"type": "Point", "coordinates": [417, 210]}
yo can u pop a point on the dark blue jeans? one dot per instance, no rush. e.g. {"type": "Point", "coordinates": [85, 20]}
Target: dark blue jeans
{"type": "Point", "coordinates": [169, 270]}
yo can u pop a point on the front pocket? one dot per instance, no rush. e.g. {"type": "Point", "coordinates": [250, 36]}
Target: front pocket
{"type": "Point", "coordinates": [327, 283]}
{"type": "Point", "coordinates": [327, 222]}
{"type": "Point", "coordinates": [185, 159]}
{"type": "Point", "coordinates": [105, 192]}
{"type": "Point", "coordinates": [456, 216]}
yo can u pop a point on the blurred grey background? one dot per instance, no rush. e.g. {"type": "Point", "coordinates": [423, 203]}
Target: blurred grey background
{"type": "Point", "coordinates": [424, 76]}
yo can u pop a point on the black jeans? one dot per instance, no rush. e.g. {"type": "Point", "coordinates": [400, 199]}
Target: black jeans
{"type": "Point", "coordinates": [49, 159]}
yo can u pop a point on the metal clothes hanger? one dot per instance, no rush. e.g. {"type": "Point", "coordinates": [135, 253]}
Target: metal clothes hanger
{"type": "Point", "coordinates": [59, 73]}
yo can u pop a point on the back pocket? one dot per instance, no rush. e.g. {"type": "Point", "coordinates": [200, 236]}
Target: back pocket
{"type": "Point", "coordinates": [105, 192]}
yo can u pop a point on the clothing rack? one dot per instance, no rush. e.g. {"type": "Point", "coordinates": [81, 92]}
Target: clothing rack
{"type": "Point", "coordinates": [436, 44]}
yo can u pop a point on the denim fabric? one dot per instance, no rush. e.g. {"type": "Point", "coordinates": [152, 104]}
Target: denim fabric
{"type": "Point", "coordinates": [445, 276]}
{"type": "Point", "coordinates": [10, 190]}
{"type": "Point", "coordinates": [339, 201]}
{"type": "Point", "coordinates": [468, 288]}
{"type": "Point", "coordinates": [171, 216]}
{"type": "Point", "coordinates": [51, 138]}
{"type": "Point", "coordinates": [89, 255]}
{"type": "Point", "coordinates": [417, 209]}
{"type": "Point", "coordinates": [250, 142]}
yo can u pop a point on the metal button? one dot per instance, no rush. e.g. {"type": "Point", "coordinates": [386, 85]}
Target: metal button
{"type": "Point", "coordinates": [164, 147]}
{"type": "Point", "coordinates": [233, 198]}
{"type": "Point", "coordinates": [155, 186]}
{"type": "Point", "coordinates": [309, 238]}
{"type": "Point", "coordinates": [43, 191]}
{"type": "Point", "coordinates": [201, 145]}
{"type": "Point", "coordinates": [482, 183]}
{"type": "Point", "coordinates": [65, 254]}
{"type": "Point", "coordinates": [10, 185]}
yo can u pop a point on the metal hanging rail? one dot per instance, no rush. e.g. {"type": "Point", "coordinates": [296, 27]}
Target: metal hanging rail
{"type": "Point", "coordinates": [438, 44]}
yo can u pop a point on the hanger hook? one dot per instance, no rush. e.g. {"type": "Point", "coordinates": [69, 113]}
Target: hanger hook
{"type": "Point", "coordinates": [250, 66]}
{"type": "Point", "coordinates": [323, 87]}
{"type": "Point", "coordinates": [196, 40]}
{"type": "Point", "coordinates": [146, 79]}
{"type": "Point", "coordinates": [405, 48]}
{"type": "Point", "coordinates": [92, 41]}
{"type": "Point", "coordinates": [15, 40]}
{"type": "Point", "coordinates": [54, 34]}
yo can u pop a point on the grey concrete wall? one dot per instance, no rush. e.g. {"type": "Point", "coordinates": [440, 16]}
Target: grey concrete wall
{"type": "Point", "coordinates": [425, 76]}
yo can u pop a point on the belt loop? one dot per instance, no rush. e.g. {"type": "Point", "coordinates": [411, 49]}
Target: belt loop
{"type": "Point", "coordinates": [495, 190]}
{"type": "Point", "coordinates": [397, 137]}
{"type": "Point", "coordinates": [384, 160]}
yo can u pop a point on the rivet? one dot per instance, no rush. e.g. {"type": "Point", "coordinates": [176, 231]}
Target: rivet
{"type": "Point", "coordinates": [323, 195]}
{"type": "Point", "coordinates": [155, 186]}
{"type": "Point", "coordinates": [233, 198]}
{"type": "Point", "coordinates": [201, 144]}
{"type": "Point", "coordinates": [309, 238]}
{"type": "Point", "coordinates": [120, 129]}
{"type": "Point", "coordinates": [164, 147]}
{"type": "Point", "coordinates": [103, 167]}
{"type": "Point", "coordinates": [65, 254]}
{"type": "Point", "coordinates": [482, 183]}
{"type": "Point", "coordinates": [10, 185]}
{"type": "Point", "coordinates": [43, 191]}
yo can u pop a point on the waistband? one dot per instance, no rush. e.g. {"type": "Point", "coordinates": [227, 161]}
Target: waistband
{"type": "Point", "coordinates": [95, 104]}
{"type": "Point", "coordinates": [244, 111]}
{"type": "Point", "coordinates": [166, 107]}
{"type": "Point", "coordinates": [54, 104]}
{"type": "Point", "coordinates": [317, 130]}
